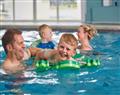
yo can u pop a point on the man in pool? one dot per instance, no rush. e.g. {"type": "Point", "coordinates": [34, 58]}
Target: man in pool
{"type": "Point", "coordinates": [66, 49]}
{"type": "Point", "coordinates": [13, 44]}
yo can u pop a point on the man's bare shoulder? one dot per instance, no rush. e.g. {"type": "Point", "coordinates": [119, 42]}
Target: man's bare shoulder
{"type": "Point", "coordinates": [6, 65]}
{"type": "Point", "coordinates": [12, 67]}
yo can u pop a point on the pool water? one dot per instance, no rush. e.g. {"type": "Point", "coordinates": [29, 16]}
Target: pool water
{"type": "Point", "coordinates": [102, 80]}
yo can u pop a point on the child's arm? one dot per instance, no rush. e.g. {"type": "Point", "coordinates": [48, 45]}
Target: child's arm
{"type": "Point", "coordinates": [34, 51]}
{"type": "Point", "coordinates": [46, 54]}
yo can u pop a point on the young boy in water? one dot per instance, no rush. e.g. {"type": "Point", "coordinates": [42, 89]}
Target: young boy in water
{"type": "Point", "coordinates": [45, 32]}
{"type": "Point", "coordinates": [66, 49]}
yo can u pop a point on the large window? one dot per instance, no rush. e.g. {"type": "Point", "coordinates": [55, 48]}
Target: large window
{"type": "Point", "coordinates": [40, 10]}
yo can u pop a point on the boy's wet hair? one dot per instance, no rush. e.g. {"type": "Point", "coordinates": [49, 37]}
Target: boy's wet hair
{"type": "Point", "coordinates": [69, 39]}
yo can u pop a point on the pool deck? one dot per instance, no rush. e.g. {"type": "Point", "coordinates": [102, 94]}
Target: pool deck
{"type": "Point", "coordinates": [57, 25]}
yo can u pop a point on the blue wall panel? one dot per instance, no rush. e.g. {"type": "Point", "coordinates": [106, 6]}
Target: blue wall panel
{"type": "Point", "coordinates": [97, 13]}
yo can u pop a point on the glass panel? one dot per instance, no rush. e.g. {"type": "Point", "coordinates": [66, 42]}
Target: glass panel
{"type": "Point", "coordinates": [6, 9]}
{"type": "Point", "coordinates": [41, 10]}
{"type": "Point", "coordinates": [23, 9]}
{"type": "Point", "coordinates": [107, 2]}
{"type": "Point", "coordinates": [70, 9]}
{"type": "Point", "coordinates": [45, 10]}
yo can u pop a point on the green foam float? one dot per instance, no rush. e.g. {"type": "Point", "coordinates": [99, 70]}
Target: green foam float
{"type": "Point", "coordinates": [42, 65]}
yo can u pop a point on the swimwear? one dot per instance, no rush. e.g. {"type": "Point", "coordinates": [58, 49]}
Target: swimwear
{"type": "Point", "coordinates": [49, 45]}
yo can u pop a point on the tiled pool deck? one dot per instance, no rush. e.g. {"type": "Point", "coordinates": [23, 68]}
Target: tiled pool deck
{"type": "Point", "coordinates": [56, 25]}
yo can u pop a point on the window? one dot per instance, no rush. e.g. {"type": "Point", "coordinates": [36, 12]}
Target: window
{"type": "Point", "coordinates": [42, 10]}
{"type": "Point", "coordinates": [107, 2]}
{"type": "Point", "coordinates": [23, 9]}
{"type": "Point", "coordinates": [6, 10]}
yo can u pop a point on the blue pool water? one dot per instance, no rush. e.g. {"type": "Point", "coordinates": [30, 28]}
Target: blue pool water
{"type": "Point", "coordinates": [103, 80]}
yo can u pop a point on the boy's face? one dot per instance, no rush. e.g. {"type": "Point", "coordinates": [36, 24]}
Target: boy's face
{"type": "Point", "coordinates": [47, 34]}
{"type": "Point", "coordinates": [65, 50]}
{"type": "Point", "coordinates": [18, 47]}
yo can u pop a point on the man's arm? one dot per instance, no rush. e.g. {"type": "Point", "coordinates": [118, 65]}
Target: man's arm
{"type": "Point", "coordinates": [29, 52]}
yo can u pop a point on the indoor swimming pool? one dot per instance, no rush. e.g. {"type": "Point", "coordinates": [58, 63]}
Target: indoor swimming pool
{"type": "Point", "coordinates": [102, 80]}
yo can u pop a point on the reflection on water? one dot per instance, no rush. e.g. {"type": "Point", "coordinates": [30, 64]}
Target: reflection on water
{"type": "Point", "coordinates": [86, 81]}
